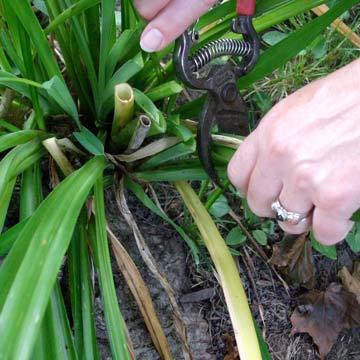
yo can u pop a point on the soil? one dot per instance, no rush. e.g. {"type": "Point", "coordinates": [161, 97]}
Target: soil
{"type": "Point", "coordinates": [201, 298]}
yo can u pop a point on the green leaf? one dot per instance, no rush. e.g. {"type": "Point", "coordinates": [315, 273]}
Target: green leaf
{"type": "Point", "coordinates": [283, 51]}
{"type": "Point", "coordinates": [31, 193]}
{"type": "Point", "coordinates": [89, 141]}
{"type": "Point", "coordinates": [220, 207]}
{"type": "Point", "coordinates": [328, 251]}
{"type": "Point", "coordinates": [235, 237]}
{"type": "Point", "coordinates": [319, 47]}
{"type": "Point", "coordinates": [274, 37]}
{"type": "Point", "coordinates": [32, 26]}
{"type": "Point", "coordinates": [21, 86]}
{"type": "Point", "coordinates": [8, 238]}
{"type": "Point", "coordinates": [14, 163]}
{"type": "Point", "coordinates": [164, 90]}
{"type": "Point", "coordinates": [141, 195]}
{"type": "Point", "coordinates": [172, 173]}
{"type": "Point", "coordinates": [114, 320]}
{"type": "Point", "coordinates": [250, 217]}
{"type": "Point", "coordinates": [40, 5]}
{"type": "Point", "coordinates": [107, 38]}
{"type": "Point", "coordinates": [81, 292]}
{"type": "Point", "coordinates": [29, 272]}
{"type": "Point", "coordinates": [158, 124]}
{"type": "Point", "coordinates": [60, 93]}
{"type": "Point", "coordinates": [263, 346]}
{"type": "Point", "coordinates": [260, 237]}
{"type": "Point", "coordinates": [353, 238]}
{"type": "Point", "coordinates": [127, 43]}
{"type": "Point", "coordinates": [20, 137]}
{"type": "Point", "coordinates": [175, 152]}
{"type": "Point", "coordinates": [8, 126]}
{"type": "Point", "coordinates": [124, 74]}
{"type": "Point", "coordinates": [268, 227]}
{"type": "Point", "coordinates": [69, 12]}
{"type": "Point", "coordinates": [356, 216]}
{"type": "Point", "coordinates": [174, 127]}
{"type": "Point", "coordinates": [57, 338]}
{"type": "Point", "coordinates": [234, 252]}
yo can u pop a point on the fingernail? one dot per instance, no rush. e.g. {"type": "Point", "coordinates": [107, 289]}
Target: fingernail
{"type": "Point", "coordinates": [152, 40]}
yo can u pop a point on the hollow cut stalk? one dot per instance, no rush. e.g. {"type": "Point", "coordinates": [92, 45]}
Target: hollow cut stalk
{"type": "Point", "coordinates": [235, 296]}
{"type": "Point", "coordinates": [123, 107]}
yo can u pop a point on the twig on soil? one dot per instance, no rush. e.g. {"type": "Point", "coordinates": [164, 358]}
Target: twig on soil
{"type": "Point", "coordinates": [259, 250]}
{"type": "Point", "coordinates": [155, 198]}
{"type": "Point", "coordinates": [250, 269]}
{"type": "Point", "coordinates": [154, 268]}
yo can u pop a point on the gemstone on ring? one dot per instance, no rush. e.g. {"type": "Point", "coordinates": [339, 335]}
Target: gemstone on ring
{"type": "Point", "coordinates": [286, 216]}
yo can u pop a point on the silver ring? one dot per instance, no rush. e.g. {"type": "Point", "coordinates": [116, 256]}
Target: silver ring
{"type": "Point", "coordinates": [286, 216]}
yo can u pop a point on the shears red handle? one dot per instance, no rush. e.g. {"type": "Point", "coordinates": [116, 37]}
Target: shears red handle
{"type": "Point", "coordinates": [245, 7]}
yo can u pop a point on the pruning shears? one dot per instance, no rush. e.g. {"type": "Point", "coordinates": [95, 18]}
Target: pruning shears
{"type": "Point", "coordinates": [224, 105]}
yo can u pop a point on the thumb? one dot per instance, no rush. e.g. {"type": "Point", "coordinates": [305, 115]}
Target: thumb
{"type": "Point", "coordinates": [171, 21]}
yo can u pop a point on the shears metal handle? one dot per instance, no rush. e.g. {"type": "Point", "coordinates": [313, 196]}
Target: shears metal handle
{"type": "Point", "coordinates": [224, 105]}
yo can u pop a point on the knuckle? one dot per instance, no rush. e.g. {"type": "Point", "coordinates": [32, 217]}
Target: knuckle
{"type": "Point", "coordinates": [278, 147]}
{"type": "Point", "coordinates": [303, 176]}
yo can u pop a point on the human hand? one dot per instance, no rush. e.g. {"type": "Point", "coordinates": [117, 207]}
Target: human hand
{"type": "Point", "coordinates": [168, 19]}
{"type": "Point", "coordinates": [306, 153]}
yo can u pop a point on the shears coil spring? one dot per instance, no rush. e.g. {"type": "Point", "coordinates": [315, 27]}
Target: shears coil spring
{"type": "Point", "coordinates": [218, 48]}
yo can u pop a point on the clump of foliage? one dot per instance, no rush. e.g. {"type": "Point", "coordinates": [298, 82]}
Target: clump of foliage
{"type": "Point", "coordinates": [59, 64]}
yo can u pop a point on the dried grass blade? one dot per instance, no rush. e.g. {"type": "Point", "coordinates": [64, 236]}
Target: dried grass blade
{"type": "Point", "coordinates": [153, 267]}
{"type": "Point", "coordinates": [339, 25]}
{"type": "Point", "coordinates": [149, 150]}
{"type": "Point", "coordinates": [141, 294]}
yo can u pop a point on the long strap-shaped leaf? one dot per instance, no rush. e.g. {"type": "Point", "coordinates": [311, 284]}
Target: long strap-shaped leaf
{"type": "Point", "coordinates": [15, 162]}
{"type": "Point", "coordinates": [100, 246]}
{"type": "Point", "coordinates": [19, 137]}
{"type": "Point", "coordinates": [230, 281]}
{"type": "Point", "coordinates": [81, 292]}
{"type": "Point", "coordinates": [286, 49]}
{"type": "Point", "coordinates": [29, 272]}
{"type": "Point", "coordinates": [31, 24]}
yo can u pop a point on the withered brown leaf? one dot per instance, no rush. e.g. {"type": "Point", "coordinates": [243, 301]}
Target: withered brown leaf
{"type": "Point", "coordinates": [350, 281]}
{"type": "Point", "coordinates": [232, 352]}
{"type": "Point", "coordinates": [293, 255]}
{"type": "Point", "coordinates": [324, 314]}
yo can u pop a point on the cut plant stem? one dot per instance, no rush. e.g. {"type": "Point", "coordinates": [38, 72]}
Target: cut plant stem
{"type": "Point", "coordinates": [235, 296]}
{"type": "Point", "coordinates": [53, 148]}
{"type": "Point", "coordinates": [123, 107]}
{"type": "Point", "coordinates": [141, 131]}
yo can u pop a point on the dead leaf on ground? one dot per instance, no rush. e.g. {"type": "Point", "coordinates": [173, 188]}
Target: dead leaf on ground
{"type": "Point", "coordinates": [351, 282]}
{"type": "Point", "coordinates": [323, 315]}
{"type": "Point", "coordinates": [293, 255]}
{"type": "Point", "coordinates": [232, 352]}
